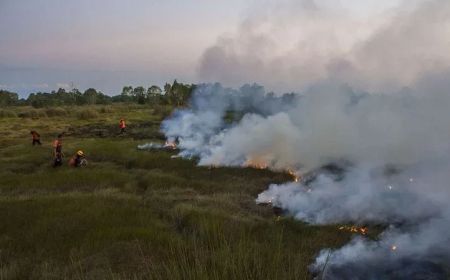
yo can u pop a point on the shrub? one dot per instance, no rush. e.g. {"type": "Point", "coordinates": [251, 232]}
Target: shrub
{"type": "Point", "coordinates": [33, 114]}
{"type": "Point", "coordinates": [163, 111]}
{"type": "Point", "coordinates": [7, 114]}
{"type": "Point", "coordinates": [87, 114]}
{"type": "Point", "coordinates": [56, 112]}
{"type": "Point", "coordinates": [106, 109]}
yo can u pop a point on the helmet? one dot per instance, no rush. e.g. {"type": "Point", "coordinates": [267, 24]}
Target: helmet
{"type": "Point", "coordinates": [80, 153]}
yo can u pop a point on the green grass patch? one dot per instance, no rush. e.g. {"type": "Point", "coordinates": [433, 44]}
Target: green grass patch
{"type": "Point", "coordinates": [136, 214]}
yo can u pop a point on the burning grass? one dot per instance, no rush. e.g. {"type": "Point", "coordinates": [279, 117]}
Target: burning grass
{"type": "Point", "coordinates": [140, 214]}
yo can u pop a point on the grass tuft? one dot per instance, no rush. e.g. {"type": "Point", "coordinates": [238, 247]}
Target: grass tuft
{"type": "Point", "coordinates": [32, 114]}
{"type": "Point", "coordinates": [87, 114]}
{"type": "Point", "coordinates": [7, 114]}
{"type": "Point", "coordinates": [55, 112]}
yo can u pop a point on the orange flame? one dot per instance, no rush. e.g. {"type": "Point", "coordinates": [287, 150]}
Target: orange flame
{"type": "Point", "coordinates": [170, 145]}
{"type": "Point", "coordinates": [294, 175]}
{"type": "Point", "coordinates": [355, 229]}
{"type": "Point", "coordinates": [256, 164]}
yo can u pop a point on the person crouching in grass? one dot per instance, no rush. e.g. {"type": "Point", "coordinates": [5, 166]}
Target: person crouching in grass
{"type": "Point", "coordinates": [77, 159]}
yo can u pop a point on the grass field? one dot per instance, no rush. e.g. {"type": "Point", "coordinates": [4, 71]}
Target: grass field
{"type": "Point", "coordinates": [136, 214]}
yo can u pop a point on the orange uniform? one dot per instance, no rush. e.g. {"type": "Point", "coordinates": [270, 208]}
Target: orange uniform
{"type": "Point", "coordinates": [57, 151]}
{"type": "Point", "coordinates": [122, 125]}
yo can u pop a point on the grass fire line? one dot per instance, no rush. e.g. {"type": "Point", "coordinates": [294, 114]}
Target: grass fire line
{"type": "Point", "coordinates": [345, 161]}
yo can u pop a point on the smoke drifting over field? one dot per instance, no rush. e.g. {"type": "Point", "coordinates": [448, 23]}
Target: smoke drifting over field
{"type": "Point", "coordinates": [379, 109]}
{"type": "Point", "coordinates": [287, 45]}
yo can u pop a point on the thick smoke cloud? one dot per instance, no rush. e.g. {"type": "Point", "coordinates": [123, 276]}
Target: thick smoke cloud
{"type": "Point", "coordinates": [377, 107]}
{"type": "Point", "coordinates": [305, 131]}
{"type": "Point", "coordinates": [289, 45]}
{"type": "Point", "coordinates": [394, 152]}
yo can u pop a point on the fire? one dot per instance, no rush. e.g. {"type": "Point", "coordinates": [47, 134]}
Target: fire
{"type": "Point", "coordinates": [393, 248]}
{"type": "Point", "coordinates": [256, 164]}
{"type": "Point", "coordinates": [355, 229]}
{"type": "Point", "coordinates": [170, 145]}
{"type": "Point", "coordinates": [294, 175]}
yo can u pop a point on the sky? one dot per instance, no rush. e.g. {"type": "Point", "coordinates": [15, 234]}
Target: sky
{"type": "Point", "coordinates": [106, 44]}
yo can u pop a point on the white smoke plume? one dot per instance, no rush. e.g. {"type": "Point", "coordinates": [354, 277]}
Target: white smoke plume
{"type": "Point", "coordinates": [288, 45]}
{"type": "Point", "coordinates": [377, 109]}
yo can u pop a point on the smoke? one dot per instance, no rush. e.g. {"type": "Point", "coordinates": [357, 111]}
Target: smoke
{"type": "Point", "coordinates": [416, 208]}
{"type": "Point", "coordinates": [392, 152]}
{"type": "Point", "coordinates": [369, 130]}
{"type": "Point", "coordinates": [305, 131]}
{"type": "Point", "coordinates": [289, 45]}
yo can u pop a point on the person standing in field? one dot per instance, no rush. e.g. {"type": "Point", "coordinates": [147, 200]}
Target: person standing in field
{"type": "Point", "coordinates": [57, 151]}
{"type": "Point", "coordinates": [36, 137]}
{"type": "Point", "coordinates": [122, 126]}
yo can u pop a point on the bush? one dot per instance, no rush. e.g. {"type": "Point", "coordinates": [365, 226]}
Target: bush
{"type": "Point", "coordinates": [7, 114]}
{"type": "Point", "coordinates": [56, 112]}
{"type": "Point", "coordinates": [87, 114]}
{"type": "Point", "coordinates": [162, 110]}
{"type": "Point", "coordinates": [106, 109]}
{"type": "Point", "coordinates": [33, 114]}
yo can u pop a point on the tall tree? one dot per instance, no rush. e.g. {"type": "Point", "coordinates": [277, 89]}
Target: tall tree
{"type": "Point", "coordinates": [127, 90]}
{"type": "Point", "coordinates": [90, 96]}
{"type": "Point", "coordinates": [139, 94]}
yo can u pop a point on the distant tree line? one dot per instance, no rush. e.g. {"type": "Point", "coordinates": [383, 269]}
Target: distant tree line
{"type": "Point", "coordinates": [176, 94]}
{"type": "Point", "coordinates": [172, 94]}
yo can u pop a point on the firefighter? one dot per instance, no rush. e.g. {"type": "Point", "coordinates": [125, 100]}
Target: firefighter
{"type": "Point", "coordinates": [122, 126]}
{"type": "Point", "coordinates": [76, 160]}
{"type": "Point", "coordinates": [57, 151]}
{"type": "Point", "coordinates": [36, 137]}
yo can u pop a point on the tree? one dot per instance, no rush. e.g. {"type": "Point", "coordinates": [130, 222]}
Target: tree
{"type": "Point", "coordinates": [77, 97]}
{"type": "Point", "coordinates": [179, 93]}
{"type": "Point", "coordinates": [167, 88]}
{"type": "Point", "coordinates": [139, 94]}
{"type": "Point", "coordinates": [127, 91]}
{"type": "Point", "coordinates": [139, 91]}
{"type": "Point", "coordinates": [154, 90]}
{"type": "Point", "coordinates": [8, 98]}
{"type": "Point", "coordinates": [103, 98]}
{"type": "Point", "coordinates": [154, 95]}
{"type": "Point", "coordinates": [90, 96]}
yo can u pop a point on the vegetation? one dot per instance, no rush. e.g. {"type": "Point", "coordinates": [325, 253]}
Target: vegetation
{"type": "Point", "coordinates": [176, 94]}
{"type": "Point", "coordinates": [8, 98]}
{"type": "Point", "coordinates": [136, 214]}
